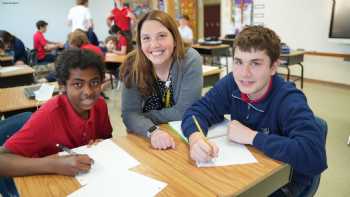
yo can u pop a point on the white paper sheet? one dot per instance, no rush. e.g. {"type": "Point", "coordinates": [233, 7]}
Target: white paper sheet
{"type": "Point", "coordinates": [230, 153]}
{"type": "Point", "coordinates": [44, 93]}
{"type": "Point", "coordinates": [108, 158]}
{"type": "Point", "coordinates": [120, 184]}
{"type": "Point", "coordinates": [9, 69]}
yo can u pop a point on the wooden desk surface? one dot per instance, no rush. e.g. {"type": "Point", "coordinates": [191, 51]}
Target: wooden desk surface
{"type": "Point", "coordinates": [6, 58]}
{"type": "Point", "coordinates": [177, 169]}
{"type": "Point", "coordinates": [293, 53]}
{"type": "Point", "coordinates": [221, 46]}
{"type": "Point", "coordinates": [12, 99]}
{"type": "Point", "coordinates": [113, 58]}
{"type": "Point", "coordinates": [24, 70]}
{"type": "Point", "coordinates": [210, 70]}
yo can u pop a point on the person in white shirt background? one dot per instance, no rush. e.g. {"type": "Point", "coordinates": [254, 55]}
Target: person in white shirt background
{"type": "Point", "coordinates": [185, 29]}
{"type": "Point", "coordinates": [79, 16]}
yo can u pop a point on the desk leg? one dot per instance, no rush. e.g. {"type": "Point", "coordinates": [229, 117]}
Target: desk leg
{"type": "Point", "coordinates": [302, 75]}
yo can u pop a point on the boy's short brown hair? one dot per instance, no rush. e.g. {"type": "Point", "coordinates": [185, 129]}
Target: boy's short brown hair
{"type": "Point", "coordinates": [82, 2]}
{"type": "Point", "coordinates": [113, 38]}
{"type": "Point", "coordinates": [78, 38]}
{"type": "Point", "coordinates": [259, 38]}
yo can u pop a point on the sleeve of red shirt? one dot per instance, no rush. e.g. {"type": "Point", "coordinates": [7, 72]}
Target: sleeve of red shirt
{"type": "Point", "coordinates": [32, 137]}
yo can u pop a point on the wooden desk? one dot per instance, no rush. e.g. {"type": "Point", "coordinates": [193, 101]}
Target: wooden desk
{"type": "Point", "coordinates": [113, 58]}
{"type": "Point", "coordinates": [177, 169]}
{"type": "Point", "coordinates": [211, 75]}
{"type": "Point", "coordinates": [213, 51]}
{"type": "Point", "coordinates": [6, 60]}
{"type": "Point", "coordinates": [113, 62]}
{"type": "Point", "coordinates": [21, 76]}
{"type": "Point", "coordinates": [293, 58]}
{"type": "Point", "coordinates": [13, 100]}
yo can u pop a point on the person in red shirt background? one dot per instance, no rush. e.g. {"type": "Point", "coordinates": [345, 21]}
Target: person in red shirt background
{"type": "Point", "coordinates": [122, 46]}
{"type": "Point", "coordinates": [42, 45]}
{"type": "Point", "coordinates": [77, 117]}
{"type": "Point", "coordinates": [122, 17]}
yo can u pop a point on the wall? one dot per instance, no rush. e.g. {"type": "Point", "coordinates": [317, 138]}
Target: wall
{"type": "Point", "coordinates": [20, 19]}
{"type": "Point", "coordinates": [305, 24]}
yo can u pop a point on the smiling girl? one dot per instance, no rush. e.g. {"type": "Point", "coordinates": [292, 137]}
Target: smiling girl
{"type": "Point", "coordinates": [161, 79]}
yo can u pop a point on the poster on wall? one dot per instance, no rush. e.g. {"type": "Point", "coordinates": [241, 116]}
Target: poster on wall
{"type": "Point", "coordinates": [243, 14]}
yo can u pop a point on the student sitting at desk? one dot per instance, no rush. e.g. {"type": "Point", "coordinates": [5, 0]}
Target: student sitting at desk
{"type": "Point", "coordinates": [122, 46]}
{"type": "Point", "coordinates": [266, 112]}
{"type": "Point", "coordinates": [161, 79]}
{"type": "Point", "coordinates": [13, 46]}
{"type": "Point", "coordinates": [77, 117]}
{"type": "Point", "coordinates": [41, 45]}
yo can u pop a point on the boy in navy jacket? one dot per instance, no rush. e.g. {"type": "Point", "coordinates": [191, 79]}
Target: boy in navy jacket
{"type": "Point", "coordinates": [266, 112]}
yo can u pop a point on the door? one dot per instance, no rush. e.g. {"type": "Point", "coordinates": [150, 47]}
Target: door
{"type": "Point", "coordinates": [212, 20]}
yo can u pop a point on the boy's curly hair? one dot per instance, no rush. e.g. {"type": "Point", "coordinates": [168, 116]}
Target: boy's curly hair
{"type": "Point", "coordinates": [77, 58]}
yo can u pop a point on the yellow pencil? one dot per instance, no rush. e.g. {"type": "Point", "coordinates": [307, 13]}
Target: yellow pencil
{"type": "Point", "coordinates": [201, 131]}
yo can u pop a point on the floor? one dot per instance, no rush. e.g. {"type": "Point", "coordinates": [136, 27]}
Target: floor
{"type": "Point", "coordinates": [328, 102]}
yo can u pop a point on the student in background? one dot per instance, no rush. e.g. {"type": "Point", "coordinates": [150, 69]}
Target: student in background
{"type": "Point", "coordinates": [266, 112]}
{"type": "Point", "coordinates": [185, 29]}
{"type": "Point", "coordinates": [13, 46]}
{"type": "Point", "coordinates": [110, 44]}
{"type": "Point", "coordinates": [161, 79]}
{"type": "Point", "coordinates": [43, 46]}
{"type": "Point", "coordinates": [79, 16]}
{"type": "Point", "coordinates": [79, 39]}
{"type": "Point", "coordinates": [121, 48]}
{"type": "Point", "coordinates": [122, 17]}
{"type": "Point", "coordinates": [77, 117]}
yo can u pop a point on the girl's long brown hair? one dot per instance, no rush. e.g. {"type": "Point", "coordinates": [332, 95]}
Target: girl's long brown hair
{"type": "Point", "coordinates": [137, 68]}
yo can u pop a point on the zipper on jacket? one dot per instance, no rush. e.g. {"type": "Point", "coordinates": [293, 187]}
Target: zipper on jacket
{"type": "Point", "coordinates": [248, 112]}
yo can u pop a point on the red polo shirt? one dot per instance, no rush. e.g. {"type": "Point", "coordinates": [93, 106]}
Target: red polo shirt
{"type": "Point", "coordinates": [56, 122]}
{"type": "Point", "coordinates": [121, 19]}
{"type": "Point", "coordinates": [246, 99]}
{"type": "Point", "coordinates": [94, 49]}
{"type": "Point", "coordinates": [121, 42]}
{"type": "Point", "coordinates": [39, 44]}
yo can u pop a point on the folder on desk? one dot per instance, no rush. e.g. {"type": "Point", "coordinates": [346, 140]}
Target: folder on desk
{"type": "Point", "coordinates": [29, 91]}
{"type": "Point", "coordinates": [230, 153]}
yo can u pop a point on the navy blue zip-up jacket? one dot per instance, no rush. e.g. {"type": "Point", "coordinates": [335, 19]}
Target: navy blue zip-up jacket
{"type": "Point", "coordinates": [287, 130]}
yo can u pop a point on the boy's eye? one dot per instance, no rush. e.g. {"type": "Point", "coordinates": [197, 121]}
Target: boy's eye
{"type": "Point", "coordinates": [237, 62]}
{"type": "Point", "coordinates": [255, 64]}
{"type": "Point", "coordinates": [95, 83]}
{"type": "Point", "coordinates": [78, 84]}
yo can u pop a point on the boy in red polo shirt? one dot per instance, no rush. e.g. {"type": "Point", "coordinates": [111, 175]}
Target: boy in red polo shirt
{"type": "Point", "coordinates": [121, 47]}
{"type": "Point", "coordinates": [77, 117]}
{"type": "Point", "coordinates": [42, 45]}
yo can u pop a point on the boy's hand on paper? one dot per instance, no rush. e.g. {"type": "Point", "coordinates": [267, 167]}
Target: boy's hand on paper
{"type": "Point", "coordinates": [239, 133]}
{"type": "Point", "coordinates": [162, 140]}
{"type": "Point", "coordinates": [71, 165]}
{"type": "Point", "coordinates": [200, 150]}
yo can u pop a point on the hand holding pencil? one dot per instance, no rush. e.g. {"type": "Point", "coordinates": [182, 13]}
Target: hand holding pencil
{"type": "Point", "coordinates": [200, 148]}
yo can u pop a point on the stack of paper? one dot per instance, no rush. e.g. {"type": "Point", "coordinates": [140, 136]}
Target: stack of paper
{"type": "Point", "coordinates": [110, 175]}
{"type": "Point", "coordinates": [230, 153]}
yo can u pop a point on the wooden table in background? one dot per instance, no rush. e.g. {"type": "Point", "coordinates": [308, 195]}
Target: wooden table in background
{"type": "Point", "coordinates": [213, 51]}
{"type": "Point", "coordinates": [176, 169]}
{"type": "Point", "coordinates": [22, 76]}
{"type": "Point", "coordinates": [113, 62]}
{"type": "Point", "coordinates": [13, 100]}
{"type": "Point", "coordinates": [293, 58]}
{"type": "Point", "coordinates": [211, 75]}
{"type": "Point", "coordinates": [6, 60]}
